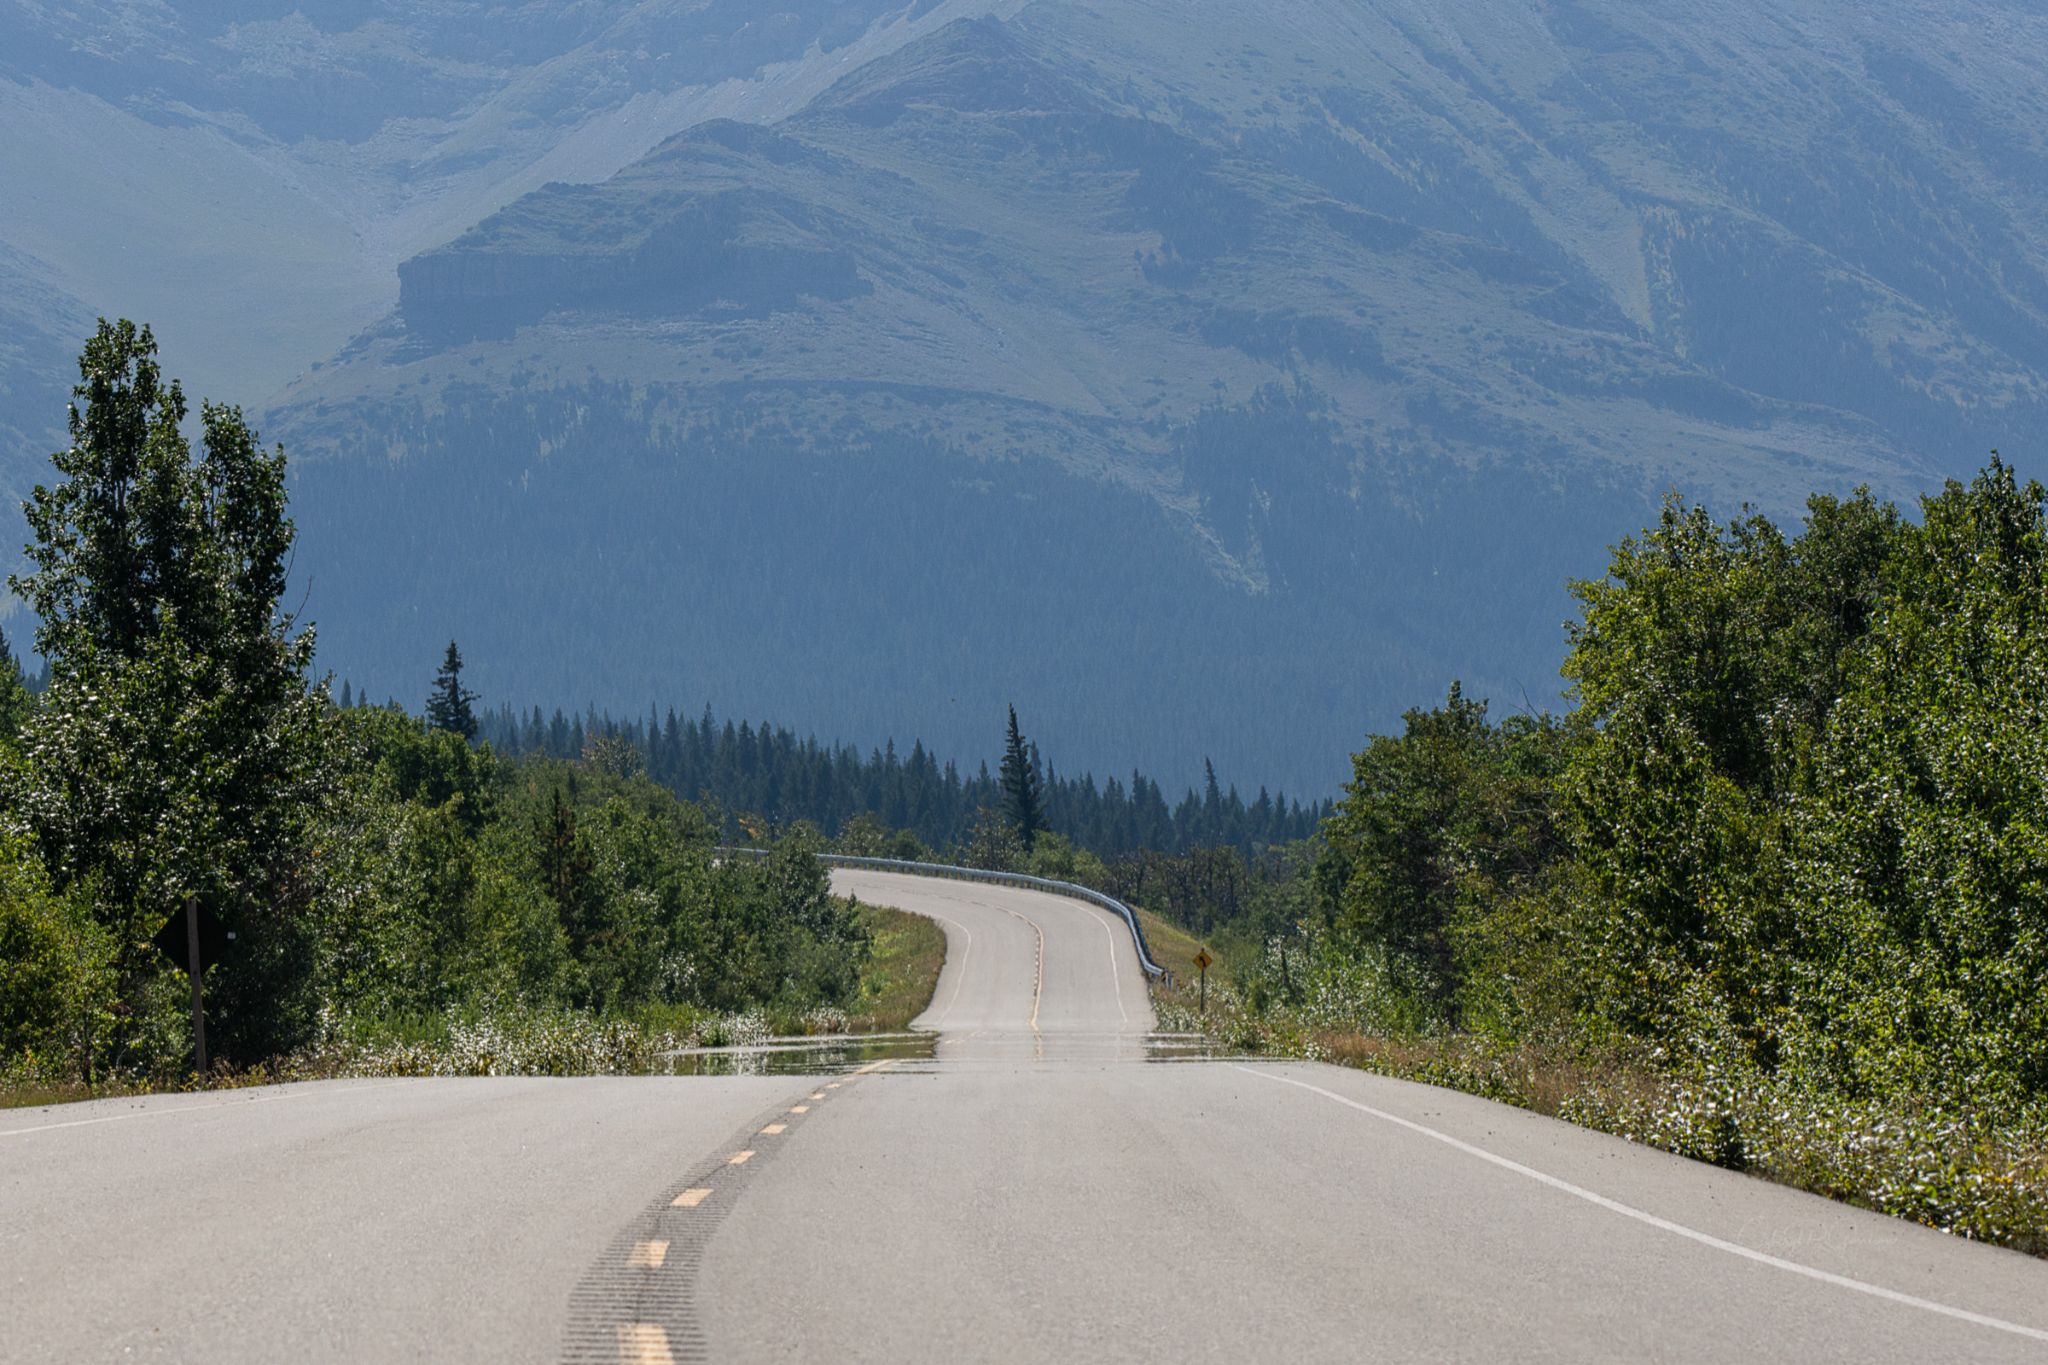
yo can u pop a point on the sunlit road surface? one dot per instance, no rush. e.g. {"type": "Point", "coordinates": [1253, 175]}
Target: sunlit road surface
{"type": "Point", "coordinates": [1040, 1190]}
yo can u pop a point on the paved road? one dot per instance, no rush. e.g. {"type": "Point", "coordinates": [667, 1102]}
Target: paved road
{"type": "Point", "coordinates": [1038, 1192]}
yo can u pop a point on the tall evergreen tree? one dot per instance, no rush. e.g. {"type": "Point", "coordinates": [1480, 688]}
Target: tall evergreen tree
{"type": "Point", "coordinates": [449, 708]}
{"type": "Point", "coordinates": [1022, 803]}
{"type": "Point", "coordinates": [15, 701]}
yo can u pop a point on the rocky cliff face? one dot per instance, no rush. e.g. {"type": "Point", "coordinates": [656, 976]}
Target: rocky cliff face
{"type": "Point", "coordinates": [734, 252]}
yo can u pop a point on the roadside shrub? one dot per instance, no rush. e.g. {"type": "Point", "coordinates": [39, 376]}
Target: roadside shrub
{"type": "Point", "coordinates": [57, 983]}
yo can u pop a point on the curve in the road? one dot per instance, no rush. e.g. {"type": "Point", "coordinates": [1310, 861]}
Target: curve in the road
{"type": "Point", "coordinates": [1027, 974]}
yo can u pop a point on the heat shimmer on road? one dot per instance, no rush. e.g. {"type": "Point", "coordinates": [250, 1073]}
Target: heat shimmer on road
{"type": "Point", "coordinates": [1042, 1190]}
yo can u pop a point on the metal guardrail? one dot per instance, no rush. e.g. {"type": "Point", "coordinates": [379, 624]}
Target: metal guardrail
{"type": "Point", "coordinates": [976, 874]}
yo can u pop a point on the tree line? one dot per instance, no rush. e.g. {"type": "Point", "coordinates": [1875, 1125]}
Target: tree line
{"type": "Point", "coordinates": [768, 771]}
{"type": "Point", "coordinates": [363, 864]}
{"type": "Point", "coordinates": [1794, 827]}
{"type": "Point", "coordinates": [1790, 829]}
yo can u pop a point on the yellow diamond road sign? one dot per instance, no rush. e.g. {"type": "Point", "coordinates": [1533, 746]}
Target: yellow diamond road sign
{"type": "Point", "coordinates": [1202, 959]}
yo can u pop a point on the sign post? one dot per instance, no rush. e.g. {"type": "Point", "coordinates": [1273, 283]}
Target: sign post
{"type": "Point", "coordinates": [193, 946]}
{"type": "Point", "coordinates": [1202, 961]}
{"type": "Point", "coordinates": [194, 969]}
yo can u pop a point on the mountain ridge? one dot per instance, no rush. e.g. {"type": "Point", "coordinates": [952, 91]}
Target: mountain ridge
{"type": "Point", "coordinates": [1298, 354]}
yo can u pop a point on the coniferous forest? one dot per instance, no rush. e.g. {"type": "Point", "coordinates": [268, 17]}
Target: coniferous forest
{"type": "Point", "coordinates": [767, 772]}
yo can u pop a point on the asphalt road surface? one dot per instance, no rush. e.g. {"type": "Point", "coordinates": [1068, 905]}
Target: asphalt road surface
{"type": "Point", "coordinates": [1044, 1189]}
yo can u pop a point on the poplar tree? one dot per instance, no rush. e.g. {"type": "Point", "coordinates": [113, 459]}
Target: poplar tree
{"type": "Point", "coordinates": [178, 750]}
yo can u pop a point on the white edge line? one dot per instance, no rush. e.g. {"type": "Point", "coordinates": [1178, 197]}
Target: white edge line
{"type": "Point", "coordinates": [188, 1109]}
{"type": "Point", "coordinates": [1679, 1229]}
{"type": "Point", "coordinates": [1116, 973]}
{"type": "Point", "coordinates": [966, 951]}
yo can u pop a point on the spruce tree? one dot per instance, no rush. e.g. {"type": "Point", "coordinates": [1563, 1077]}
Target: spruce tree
{"type": "Point", "coordinates": [449, 707]}
{"type": "Point", "coordinates": [1021, 803]}
{"type": "Point", "coordinates": [15, 701]}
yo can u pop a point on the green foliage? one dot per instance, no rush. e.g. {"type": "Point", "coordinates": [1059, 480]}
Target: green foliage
{"type": "Point", "coordinates": [1056, 857]}
{"type": "Point", "coordinates": [57, 997]}
{"type": "Point", "coordinates": [1784, 871]}
{"type": "Point", "coordinates": [772, 774]}
{"type": "Point", "coordinates": [866, 836]}
{"type": "Point", "coordinates": [1920, 850]}
{"type": "Point", "coordinates": [178, 750]}
{"type": "Point", "coordinates": [1706, 667]}
{"type": "Point", "coordinates": [1804, 813]}
{"type": "Point", "coordinates": [1436, 826]}
{"type": "Point", "coordinates": [16, 703]}
{"type": "Point", "coordinates": [451, 705]}
{"type": "Point", "coordinates": [458, 879]}
{"type": "Point", "coordinates": [993, 845]}
{"type": "Point", "coordinates": [1023, 805]}
{"type": "Point", "coordinates": [368, 864]}
{"type": "Point", "coordinates": [779, 934]}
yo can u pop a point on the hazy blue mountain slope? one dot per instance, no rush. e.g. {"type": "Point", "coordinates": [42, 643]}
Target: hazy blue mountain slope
{"type": "Point", "coordinates": [248, 176]}
{"type": "Point", "coordinates": [40, 328]}
{"type": "Point", "coordinates": [1204, 377]}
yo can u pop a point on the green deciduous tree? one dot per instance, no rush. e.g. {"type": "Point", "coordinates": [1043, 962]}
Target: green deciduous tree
{"type": "Point", "coordinates": [56, 980]}
{"type": "Point", "coordinates": [993, 844]}
{"type": "Point", "coordinates": [1437, 826]}
{"type": "Point", "coordinates": [178, 749]}
{"type": "Point", "coordinates": [1921, 848]}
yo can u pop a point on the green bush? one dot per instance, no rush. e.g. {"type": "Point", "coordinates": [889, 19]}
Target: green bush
{"type": "Point", "coordinates": [57, 985]}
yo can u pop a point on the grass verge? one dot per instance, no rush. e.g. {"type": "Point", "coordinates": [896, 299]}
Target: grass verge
{"type": "Point", "coordinates": [1973, 1175]}
{"type": "Point", "coordinates": [1172, 947]}
{"type": "Point", "coordinates": [897, 986]}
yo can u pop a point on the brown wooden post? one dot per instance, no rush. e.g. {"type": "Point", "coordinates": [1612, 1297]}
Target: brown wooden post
{"type": "Point", "coordinates": [192, 960]}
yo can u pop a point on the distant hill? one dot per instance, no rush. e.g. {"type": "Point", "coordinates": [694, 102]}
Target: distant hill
{"type": "Point", "coordinates": [1207, 378]}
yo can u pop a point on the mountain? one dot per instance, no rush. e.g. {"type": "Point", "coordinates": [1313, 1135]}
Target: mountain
{"type": "Point", "coordinates": [40, 328]}
{"type": "Point", "coordinates": [248, 176]}
{"type": "Point", "coordinates": [1206, 378]}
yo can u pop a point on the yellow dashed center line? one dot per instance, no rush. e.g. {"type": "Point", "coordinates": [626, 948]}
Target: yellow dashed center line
{"type": "Point", "coordinates": [772, 1129]}
{"type": "Point", "coordinates": [1038, 972]}
{"type": "Point", "coordinates": [644, 1343]}
{"type": "Point", "coordinates": [739, 1158]}
{"type": "Point", "coordinates": [833, 1086]}
{"type": "Point", "coordinates": [819, 1095]}
{"type": "Point", "coordinates": [689, 1199]}
{"type": "Point", "coordinates": [648, 1255]}
{"type": "Point", "coordinates": [799, 1109]}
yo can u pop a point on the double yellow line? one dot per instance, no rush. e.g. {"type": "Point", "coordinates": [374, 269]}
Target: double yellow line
{"type": "Point", "coordinates": [646, 1343]}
